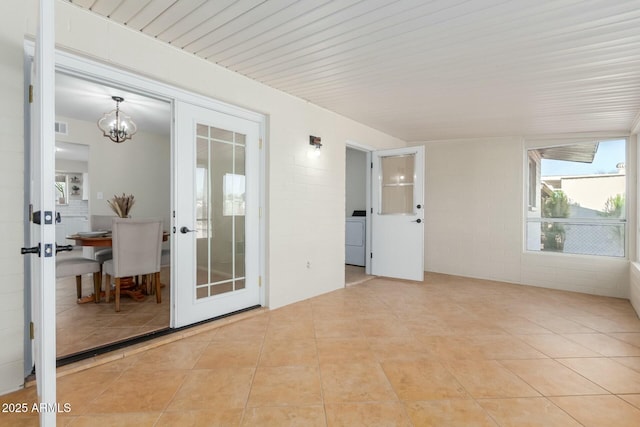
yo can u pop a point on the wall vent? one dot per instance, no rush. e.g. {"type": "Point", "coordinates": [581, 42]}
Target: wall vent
{"type": "Point", "coordinates": [61, 128]}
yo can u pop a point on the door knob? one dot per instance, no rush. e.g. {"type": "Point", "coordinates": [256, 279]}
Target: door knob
{"type": "Point", "coordinates": [417, 220]}
{"type": "Point", "coordinates": [419, 206]}
{"type": "Point", "coordinates": [32, 250]}
{"type": "Point", "coordinates": [185, 230]}
{"type": "Point", "coordinates": [63, 248]}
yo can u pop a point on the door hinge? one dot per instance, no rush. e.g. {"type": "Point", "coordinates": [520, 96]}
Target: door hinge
{"type": "Point", "coordinates": [30, 212]}
{"type": "Point", "coordinates": [259, 281]}
{"type": "Point", "coordinates": [371, 255]}
{"type": "Point", "coordinates": [260, 213]}
{"type": "Point", "coordinates": [30, 94]}
{"type": "Point", "coordinates": [260, 143]}
{"type": "Point", "coordinates": [32, 330]}
{"type": "Point", "coordinates": [371, 165]}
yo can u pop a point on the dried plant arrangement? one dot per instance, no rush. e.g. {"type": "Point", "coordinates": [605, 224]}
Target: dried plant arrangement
{"type": "Point", "coordinates": [122, 205]}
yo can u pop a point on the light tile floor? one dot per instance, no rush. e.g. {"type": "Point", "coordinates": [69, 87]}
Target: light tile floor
{"type": "Point", "coordinates": [81, 327]}
{"type": "Point", "coordinates": [354, 275]}
{"type": "Point", "coordinates": [449, 351]}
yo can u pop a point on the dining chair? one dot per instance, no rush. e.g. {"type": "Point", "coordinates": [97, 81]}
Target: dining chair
{"type": "Point", "coordinates": [137, 244]}
{"type": "Point", "coordinates": [77, 266]}
{"type": "Point", "coordinates": [100, 223]}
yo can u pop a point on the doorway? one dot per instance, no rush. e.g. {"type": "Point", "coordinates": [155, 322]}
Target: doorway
{"type": "Point", "coordinates": [217, 214]}
{"type": "Point", "coordinates": [90, 170]}
{"type": "Point", "coordinates": [393, 218]}
{"type": "Point", "coordinates": [357, 235]}
{"type": "Point", "coordinates": [155, 163]}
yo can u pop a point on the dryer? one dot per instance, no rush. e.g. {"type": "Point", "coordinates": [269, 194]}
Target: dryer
{"type": "Point", "coordinates": [355, 240]}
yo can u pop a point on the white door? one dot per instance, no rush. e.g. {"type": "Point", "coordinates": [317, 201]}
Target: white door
{"type": "Point", "coordinates": [43, 236]}
{"type": "Point", "coordinates": [217, 214]}
{"type": "Point", "coordinates": [397, 229]}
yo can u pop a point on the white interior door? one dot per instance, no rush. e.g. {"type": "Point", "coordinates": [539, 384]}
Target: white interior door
{"type": "Point", "coordinates": [397, 229]}
{"type": "Point", "coordinates": [217, 214]}
{"type": "Point", "coordinates": [43, 273]}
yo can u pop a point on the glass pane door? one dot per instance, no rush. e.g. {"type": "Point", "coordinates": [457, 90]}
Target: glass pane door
{"type": "Point", "coordinates": [220, 211]}
{"type": "Point", "coordinates": [397, 220]}
{"type": "Point", "coordinates": [217, 233]}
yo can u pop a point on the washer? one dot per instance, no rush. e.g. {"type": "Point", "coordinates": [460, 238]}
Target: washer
{"type": "Point", "coordinates": [355, 240]}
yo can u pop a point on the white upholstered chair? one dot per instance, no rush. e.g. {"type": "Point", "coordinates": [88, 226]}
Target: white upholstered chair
{"type": "Point", "coordinates": [137, 244]}
{"type": "Point", "coordinates": [100, 223]}
{"type": "Point", "coordinates": [77, 266]}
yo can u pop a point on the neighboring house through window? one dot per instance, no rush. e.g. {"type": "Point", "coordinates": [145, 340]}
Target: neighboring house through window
{"type": "Point", "coordinates": [576, 198]}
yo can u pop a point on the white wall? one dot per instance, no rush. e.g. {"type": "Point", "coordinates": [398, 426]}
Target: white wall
{"type": "Point", "coordinates": [12, 195]}
{"type": "Point", "coordinates": [634, 283]}
{"type": "Point", "coordinates": [64, 165]}
{"type": "Point", "coordinates": [474, 222]}
{"type": "Point", "coordinates": [593, 192]}
{"type": "Point", "coordinates": [356, 180]}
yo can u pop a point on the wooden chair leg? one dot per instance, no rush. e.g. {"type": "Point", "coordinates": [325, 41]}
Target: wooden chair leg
{"type": "Point", "coordinates": [156, 279]}
{"type": "Point", "coordinates": [96, 286]}
{"type": "Point", "coordinates": [79, 286]}
{"type": "Point", "coordinates": [107, 287]}
{"type": "Point", "coordinates": [117, 294]}
{"type": "Point", "coordinates": [147, 282]}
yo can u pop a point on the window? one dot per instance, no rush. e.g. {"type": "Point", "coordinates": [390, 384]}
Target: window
{"type": "Point", "coordinates": [579, 191]}
{"type": "Point", "coordinates": [202, 202]}
{"type": "Point", "coordinates": [533, 179]}
{"type": "Point", "coordinates": [233, 193]}
{"type": "Point", "coordinates": [62, 190]}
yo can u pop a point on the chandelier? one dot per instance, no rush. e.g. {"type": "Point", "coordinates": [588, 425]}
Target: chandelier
{"type": "Point", "coordinates": [115, 125]}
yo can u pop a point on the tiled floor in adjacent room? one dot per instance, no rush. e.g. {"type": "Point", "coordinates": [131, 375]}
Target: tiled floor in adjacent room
{"type": "Point", "coordinates": [80, 327]}
{"type": "Point", "coordinates": [447, 352]}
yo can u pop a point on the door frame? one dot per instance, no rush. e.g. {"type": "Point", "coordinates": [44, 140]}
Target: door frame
{"type": "Point", "coordinates": [87, 69]}
{"type": "Point", "coordinates": [368, 230]}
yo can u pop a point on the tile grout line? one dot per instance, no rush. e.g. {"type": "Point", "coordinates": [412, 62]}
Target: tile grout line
{"type": "Point", "coordinates": [255, 371]}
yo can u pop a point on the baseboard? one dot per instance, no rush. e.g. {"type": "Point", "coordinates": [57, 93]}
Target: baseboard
{"type": "Point", "coordinates": [634, 286]}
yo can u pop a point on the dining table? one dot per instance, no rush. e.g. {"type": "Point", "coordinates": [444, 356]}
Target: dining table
{"type": "Point", "coordinates": [98, 239]}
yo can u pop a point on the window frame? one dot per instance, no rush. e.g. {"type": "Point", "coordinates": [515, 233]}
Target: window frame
{"type": "Point", "coordinates": [533, 214]}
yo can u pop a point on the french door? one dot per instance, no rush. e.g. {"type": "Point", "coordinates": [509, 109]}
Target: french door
{"type": "Point", "coordinates": [216, 231]}
{"type": "Point", "coordinates": [397, 242]}
{"type": "Point", "coordinates": [42, 230]}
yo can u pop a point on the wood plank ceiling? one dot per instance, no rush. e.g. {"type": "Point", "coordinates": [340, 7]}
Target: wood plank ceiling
{"type": "Point", "coordinates": [421, 70]}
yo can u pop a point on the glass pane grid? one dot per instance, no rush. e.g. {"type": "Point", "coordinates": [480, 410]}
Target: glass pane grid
{"type": "Point", "coordinates": [220, 199]}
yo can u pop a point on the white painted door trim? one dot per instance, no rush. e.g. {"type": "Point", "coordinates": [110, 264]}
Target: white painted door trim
{"type": "Point", "coordinates": [367, 150]}
{"type": "Point", "coordinates": [42, 166]}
